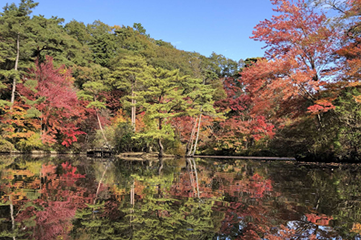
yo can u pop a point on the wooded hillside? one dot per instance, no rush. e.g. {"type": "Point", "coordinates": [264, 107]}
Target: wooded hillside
{"type": "Point", "coordinates": [76, 86]}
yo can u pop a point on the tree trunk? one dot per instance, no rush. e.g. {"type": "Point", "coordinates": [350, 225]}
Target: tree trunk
{"type": "Point", "coordinates": [196, 142]}
{"type": "Point", "coordinates": [132, 195]}
{"type": "Point", "coordinates": [195, 171]}
{"type": "Point", "coordinates": [160, 167]}
{"type": "Point", "coordinates": [15, 68]}
{"type": "Point", "coordinates": [101, 128]}
{"type": "Point", "coordinates": [100, 182]}
{"type": "Point", "coordinates": [12, 216]}
{"type": "Point", "coordinates": [191, 177]}
{"type": "Point", "coordinates": [161, 148]}
{"type": "Point", "coordinates": [133, 110]}
{"type": "Point", "coordinates": [190, 148]}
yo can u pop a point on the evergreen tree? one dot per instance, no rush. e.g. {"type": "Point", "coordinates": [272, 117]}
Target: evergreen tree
{"type": "Point", "coordinates": [130, 72]}
{"type": "Point", "coordinates": [14, 28]}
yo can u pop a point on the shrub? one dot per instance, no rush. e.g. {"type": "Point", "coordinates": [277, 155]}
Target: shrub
{"type": "Point", "coordinates": [6, 146]}
{"type": "Point", "coordinates": [32, 143]}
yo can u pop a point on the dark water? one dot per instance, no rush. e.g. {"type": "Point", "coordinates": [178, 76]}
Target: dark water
{"type": "Point", "coordinates": [80, 198]}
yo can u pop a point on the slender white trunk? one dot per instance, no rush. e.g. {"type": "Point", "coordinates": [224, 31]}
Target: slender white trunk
{"type": "Point", "coordinates": [133, 111]}
{"type": "Point", "coordinates": [196, 142]}
{"type": "Point", "coordinates": [15, 68]}
{"type": "Point", "coordinates": [12, 216]}
{"type": "Point", "coordinates": [100, 182]}
{"type": "Point", "coordinates": [191, 177]}
{"type": "Point", "coordinates": [101, 128]}
{"type": "Point", "coordinates": [132, 195]}
{"type": "Point", "coordinates": [191, 138]}
{"type": "Point", "coordinates": [41, 170]}
{"type": "Point", "coordinates": [133, 107]}
{"type": "Point", "coordinates": [195, 171]}
{"type": "Point", "coordinates": [160, 167]}
{"type": "Point", "coordinates": [41, 124]}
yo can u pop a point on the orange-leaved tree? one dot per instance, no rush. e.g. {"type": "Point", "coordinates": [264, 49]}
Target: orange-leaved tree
{"type": "Point", "coordinates": [299, 59]}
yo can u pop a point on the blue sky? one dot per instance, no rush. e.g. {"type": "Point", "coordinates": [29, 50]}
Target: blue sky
{"type": "Point", "coordinates": [220, 26]}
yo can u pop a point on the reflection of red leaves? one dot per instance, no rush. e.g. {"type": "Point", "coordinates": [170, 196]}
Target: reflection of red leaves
{"type": "Point", "coordinates": [56, 187]}
{"type": "Point", "coordinates": [60, 197]}
{"type": "Point", "coordinates": [321, 220]}
{"type": "Point", "coordinates": [280, 234]}
{"type": "Point", "coordinates": [47, 170]}
{"type": "Point", "coordinates": [250, 232]}
{"type": "Point", "coordinates": [322, 105]}
{"type": "Point", "coordinates": [235, 212]}
{"type": "Point", "coordinates": [52, 222]}
{"type": "Point", "coordinates": [254, 186]}
{"type": "Point", "coordinates": [70, 171]}
{"type": "Point", "coordinates": [259, 186]}
{"type": "Point", "coordinates": [55, 220]}
{"type": "Point", "coordinates": [69, 176]}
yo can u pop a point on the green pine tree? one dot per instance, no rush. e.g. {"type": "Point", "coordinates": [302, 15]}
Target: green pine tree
{"type": "Point", "coordinates": [14, 27]}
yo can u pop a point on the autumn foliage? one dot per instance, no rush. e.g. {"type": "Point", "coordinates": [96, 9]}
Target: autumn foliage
{"type": "Point", "coordinates": [85, 85]}
{"type": "Point", "coordinates": [49, 93]}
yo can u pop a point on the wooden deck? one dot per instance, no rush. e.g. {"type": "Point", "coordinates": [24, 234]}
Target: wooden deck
{"type": "Point", "coordinates": [100, 153]}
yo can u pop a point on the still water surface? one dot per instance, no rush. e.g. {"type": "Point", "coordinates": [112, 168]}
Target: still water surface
{"type": "Point", "coordinates": [82, 198]}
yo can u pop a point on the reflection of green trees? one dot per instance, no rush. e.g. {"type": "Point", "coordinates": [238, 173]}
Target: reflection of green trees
{"type": "Point", "coordinates": [246, 195]}
{"type": "Point", "coordinates": [93, 222]}
{"type": "Point", "coordinates": [165, 218]}
{"type": "Point", "coordinates": [160, 200]}
{"type": "Point", "coordinates": [154, 215]}
{"type": "Point", "coordinates": [330, 190]}
{"type": "Point", "coordinates": [158, 216]}
{"type": "Point", "coordinates": [151, 218]}
{"type": "Point", "coordinates": [298, 191]}
{"type": "Point", "coordinates": [346, 185]}
{"type": "Point", "coordinates": [17, 180]}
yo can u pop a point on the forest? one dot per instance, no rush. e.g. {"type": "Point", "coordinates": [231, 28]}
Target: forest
{"type": "Point", "coordinates": [75, 86]}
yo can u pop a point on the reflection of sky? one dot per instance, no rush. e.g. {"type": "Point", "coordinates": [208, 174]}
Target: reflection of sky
{"type": "Point", "coordinates": [311, 229]}
{"type": "Point", "coordinates": [227, 238]}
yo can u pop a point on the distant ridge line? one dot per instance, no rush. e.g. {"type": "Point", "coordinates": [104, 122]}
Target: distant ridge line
{"type": "Point", "coordinates": [245, 157]}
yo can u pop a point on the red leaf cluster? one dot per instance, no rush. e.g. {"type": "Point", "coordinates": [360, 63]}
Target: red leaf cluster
{"type": "Point", "coordinates": [56, 99]}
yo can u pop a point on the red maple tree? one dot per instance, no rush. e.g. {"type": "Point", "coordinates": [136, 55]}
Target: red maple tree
{"type": "Point", "coordinates": [50, 91]}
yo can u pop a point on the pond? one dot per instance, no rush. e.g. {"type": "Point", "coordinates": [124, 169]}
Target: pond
{"type": "Point", "coordinates": [83, 198]}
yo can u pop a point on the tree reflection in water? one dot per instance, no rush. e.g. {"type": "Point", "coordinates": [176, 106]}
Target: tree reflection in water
{"type": "Point", "coordinates": [177, 199]}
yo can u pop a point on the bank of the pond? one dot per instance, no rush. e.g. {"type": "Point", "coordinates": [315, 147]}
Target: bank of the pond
{"type": "Point", "coordinates": [141, 156]}
{"type": "Point", "coordinates": [248, 157]}
{"type": "Point", "coordinates": [42, 153]}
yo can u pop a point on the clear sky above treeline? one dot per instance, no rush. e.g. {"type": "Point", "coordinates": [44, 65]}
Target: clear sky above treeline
{"type": "Point", "coordinates": [204, 26]}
